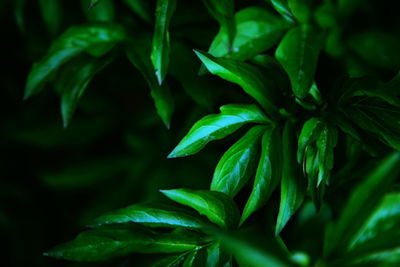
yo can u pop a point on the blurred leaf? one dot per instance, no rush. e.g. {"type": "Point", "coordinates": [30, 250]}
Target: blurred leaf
{"type": "Point", "coordinates": [216, 255]}
{"type": "Point", "coordinates": [195, 258]}
{"type": "Point", "coordinates": [238, 163]}
{"type": "Point", "coordinates": [151, 215]}
{"type": "Point", "coordinates": [363, 200]}
{"type": "Point", "coordinates": [105, 243]}
{"type": "Point", "coordinates": [217, 126]}
{"type": "Point", "coordinates": [257, 30]}
{"type": "Point", "coordinates": [74, 78]}
{"type": "Point", "coordinates": [223, 11]}
{"type": "Point", "coordinates": [301, 9]}
{"type": "Point", "coordinates": [161, 45]}
{"type": "Point", "coordinates": [138, 55]}
{"type": "Point", "coordinates": [102, 12]}
{"type": "Point", "coordinates": [282, 7]}
{"type": "Point", "coordinates": [268, 172]}
{"type": "Point", "coordinates": [292, 186]}
{"type": "Point", "coordinates": [19, 14]}
{"type": "Point", "coordinates": [52, 14]}
{"type": "Point", "coordinates": [216, 206]}
{"type": "Point", "coordinates": [141, 9]}
{"type": "Point", "coordinates": [71, 43]}
{"type": "Point", "coordinates": [171, 261]}
{"type": "Point", "coordinates": [298, 54]}
{"type": "Point", "coordinates": [245, 75]}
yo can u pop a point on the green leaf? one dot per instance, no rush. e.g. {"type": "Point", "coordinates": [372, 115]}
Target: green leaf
{"type": "Point", "coordinates": [52, 14]}
{"type": "Point", "coordinates": [70, 44]}
{"type": "Point", "coordinates": [237, 164]}
{"type": "Point", "coordinates": [309, 133]}
{"type": "Point", "coordinates": [223, 11]}
{"type": "Point", "coordinates": [195, 258]}
{"type": "Point", "coordinates": [216, 256]}
{"type": "Point", "coordinates": [171, 261]}
{"type": "Point", "coordinates": [137, 53]}
{"type": "Point", "coordinates": [101, 12]}
{"type": "Point", "coordinates": [298, 54]}
{"type": "Point", "coordinates": [141, 9]}
{"type": "Point", "coordinates": [216, 206]}
{"type": "Point", "coordinates": [292, 185]}
{"type": "Point", "coordinates": [217, 126]}
{"type": "Point", "coordinates": [161, 47]}
{"type": "Point", "coordinates": [257, 31]}
{"type": "Point", "coordinates": [268, 172]}
{"type": "Point", "coordinates": [363, 200]}
{"type": "Point", "coordinates": [326, 143]}
{"type": "Point", "coordinates": [380, 231]}
{"type": "Point", "coordinates": [151, 215]}
{"type": "Point", "coordinates": [105, 243]}
{"type": "Point", "coordinates": [282, 7]}
{"type": "Point", "coordinates": [245, 75]}
{"type": "Point", "coordinates": [74, 78]}
{"type": "Point", "coordinates": [301, 9]}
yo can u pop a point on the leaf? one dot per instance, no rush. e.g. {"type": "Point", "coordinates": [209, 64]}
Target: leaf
{"type": "Point", "coordinates": [223, 11]}
{"type": "Point", "coordinates": [245, 75]}
{"type": "Point", "coordinates": [171, 261]}
{"type": "Point", "coordinates": [216, 206]}
{"type": "Point", "coordinates": [102, 12]}
{"type": "Point", "coordinates": [380, 231]}
{"type": "Point", "coordinates": [51, 13]}
{"type": "Point", "coordinates": [292, 186]}
{"type": "Point", "coordinates": [298, 54]}
{"type": "Point", "coordinates": [216, 255]}
{"type": "Point", "coordinates": [268, 172]}
{"type": "Point", "coordinates": [363, 200]}
{"type": "Point", "coordinates": [152, 216]}
{"type": "Point", "coordinates": [257, 31]}
{"type": "Point", "coordinates": [71, 43]}
{"type": "Point", "coordinates": [161, 47]}
{"type": "Point", "coordinates": [74, 78]}
{"type": "Point", "coordinates": [195, 258]}
{"type": "Point", "coordinates": [137, 54]}
{"type": "Point", "coordinates": [102, 244]}
{"type": "Point", "coordinates": [282, 7]}
{"type": "Point", "coordinates": [301, 9]}
{"type": "Point", "coordinates": [217, 126]}
{"type": "Point", "coordinates": [141, 9]}
{"type": "Point", "coordinates": [326, 143]}
{"type": "Point", "coordinates": [309, 133]}
{"type": "Point", "coordinates": [237, 164]}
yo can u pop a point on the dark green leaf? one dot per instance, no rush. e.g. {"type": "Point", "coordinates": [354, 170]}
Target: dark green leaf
{"type": "Point", "coordinates": [52, 14]}
{"type": "Point", "coordinates": [298, 54]}
{"type": "Point", "coordinates": [282, 7]}
{"type": "Point", "coordinates": [102, 12]}
{"type": "Point", "coordinates": [137, 53]}
{"type": "Point", "coordinates": [102, 244]}
{"type": "Point", "coordinates": [73, 81]}
{"type": "Point", "coordinates": [309, 133]}
{"type": "Point", "coordinates": [73, 42]}
{"type": "Point", "coordinates": [217, 126]}
{"type": "Point", "coordinates": [292, 185]}
{"type": "Point", "coordinates": [268, 172]}
{"type": "Point", "coordinates": [245, 75]}
{"type": "Point", "coordinates": [141, 8]}
{"type": "Point", "coordinates": [195, 258]}
{"type": "Point", "coordinates": [216, 206]}
{"type": "Point", "coordinates": [161, 45]}
{"type": "Point", "coordinates": [223, 11]}
{"type": "Point", "coordinates": [326, 143]}
{"type": "Point", "coordinates": [151, 215]}
{"type": "Point", "coordinates": [216, 256]}
{"type": "Point", "coordinates": [363, 200]}
{"type": "Point", "coordinates": [257, 30]}
{"type": "Point", "coordinates": [171, 261]}
{"type": "Point", "coordinates": [237, 164]}
{"type": "Point", "coordinates": [301, 9]}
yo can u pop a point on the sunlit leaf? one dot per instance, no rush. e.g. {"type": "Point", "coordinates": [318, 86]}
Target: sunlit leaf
{"type": "Point", "coordinates": [238, 163]}
{"type": "Point", "coordinates": [217, 126]}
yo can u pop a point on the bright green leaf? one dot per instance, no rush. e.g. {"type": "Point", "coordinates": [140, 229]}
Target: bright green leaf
{"type": "Point", "coordinates": [217, 126]}
{"type": "Point", "coordinates": [257, 31]}
{"type": "Point", "coordinates": [237, 164]}
{"type": "Point", "coordinates": [268, 172]}
{"type": "Point", "coordinates": [216, 206]}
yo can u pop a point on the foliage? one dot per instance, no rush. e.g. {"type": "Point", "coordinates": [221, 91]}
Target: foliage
{"type": "Point", "coordinates": [310, 96]}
